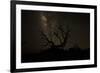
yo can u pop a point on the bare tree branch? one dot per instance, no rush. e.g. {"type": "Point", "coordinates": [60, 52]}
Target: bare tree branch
{"type": "Point", "coordinates": [61, 30]}
{"type": "Point", "coordinates": [64, 34]}
{"type": "Point", "coordinates": [59, 38]}
{"type": "Point", "coordinates": [65, 38]}
{"type": "Point", "coordinates": [47, 39]}
{"type": "Point", "coordinates": [61, 34]}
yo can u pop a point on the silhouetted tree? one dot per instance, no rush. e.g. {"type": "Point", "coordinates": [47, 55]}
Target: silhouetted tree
{"type": "Point", "coordinates": [61, 34]}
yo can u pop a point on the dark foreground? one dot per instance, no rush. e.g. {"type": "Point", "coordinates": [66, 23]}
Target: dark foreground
{"type": "Point", "coordinates": [57, 55]}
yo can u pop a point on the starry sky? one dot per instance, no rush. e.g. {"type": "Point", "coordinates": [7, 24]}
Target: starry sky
{"type": "Point", "coordinates": [35, 21]}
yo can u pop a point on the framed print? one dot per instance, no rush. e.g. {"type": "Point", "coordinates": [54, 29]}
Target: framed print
{"type": "Point", "coordinates": [51, 36]}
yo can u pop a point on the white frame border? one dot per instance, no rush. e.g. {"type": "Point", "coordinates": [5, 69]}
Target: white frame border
{"type": "Point", "coordinates": [20, 65]}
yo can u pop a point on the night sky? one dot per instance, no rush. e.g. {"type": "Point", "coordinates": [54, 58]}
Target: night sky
{"type": "Point", "coordinates": [35, 21]}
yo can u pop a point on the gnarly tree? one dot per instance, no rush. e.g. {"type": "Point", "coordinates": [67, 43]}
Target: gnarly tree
{"type": "Point", "coordinates": [61, 34]}
{"type": "Point", "coordinates": [55, 34]}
